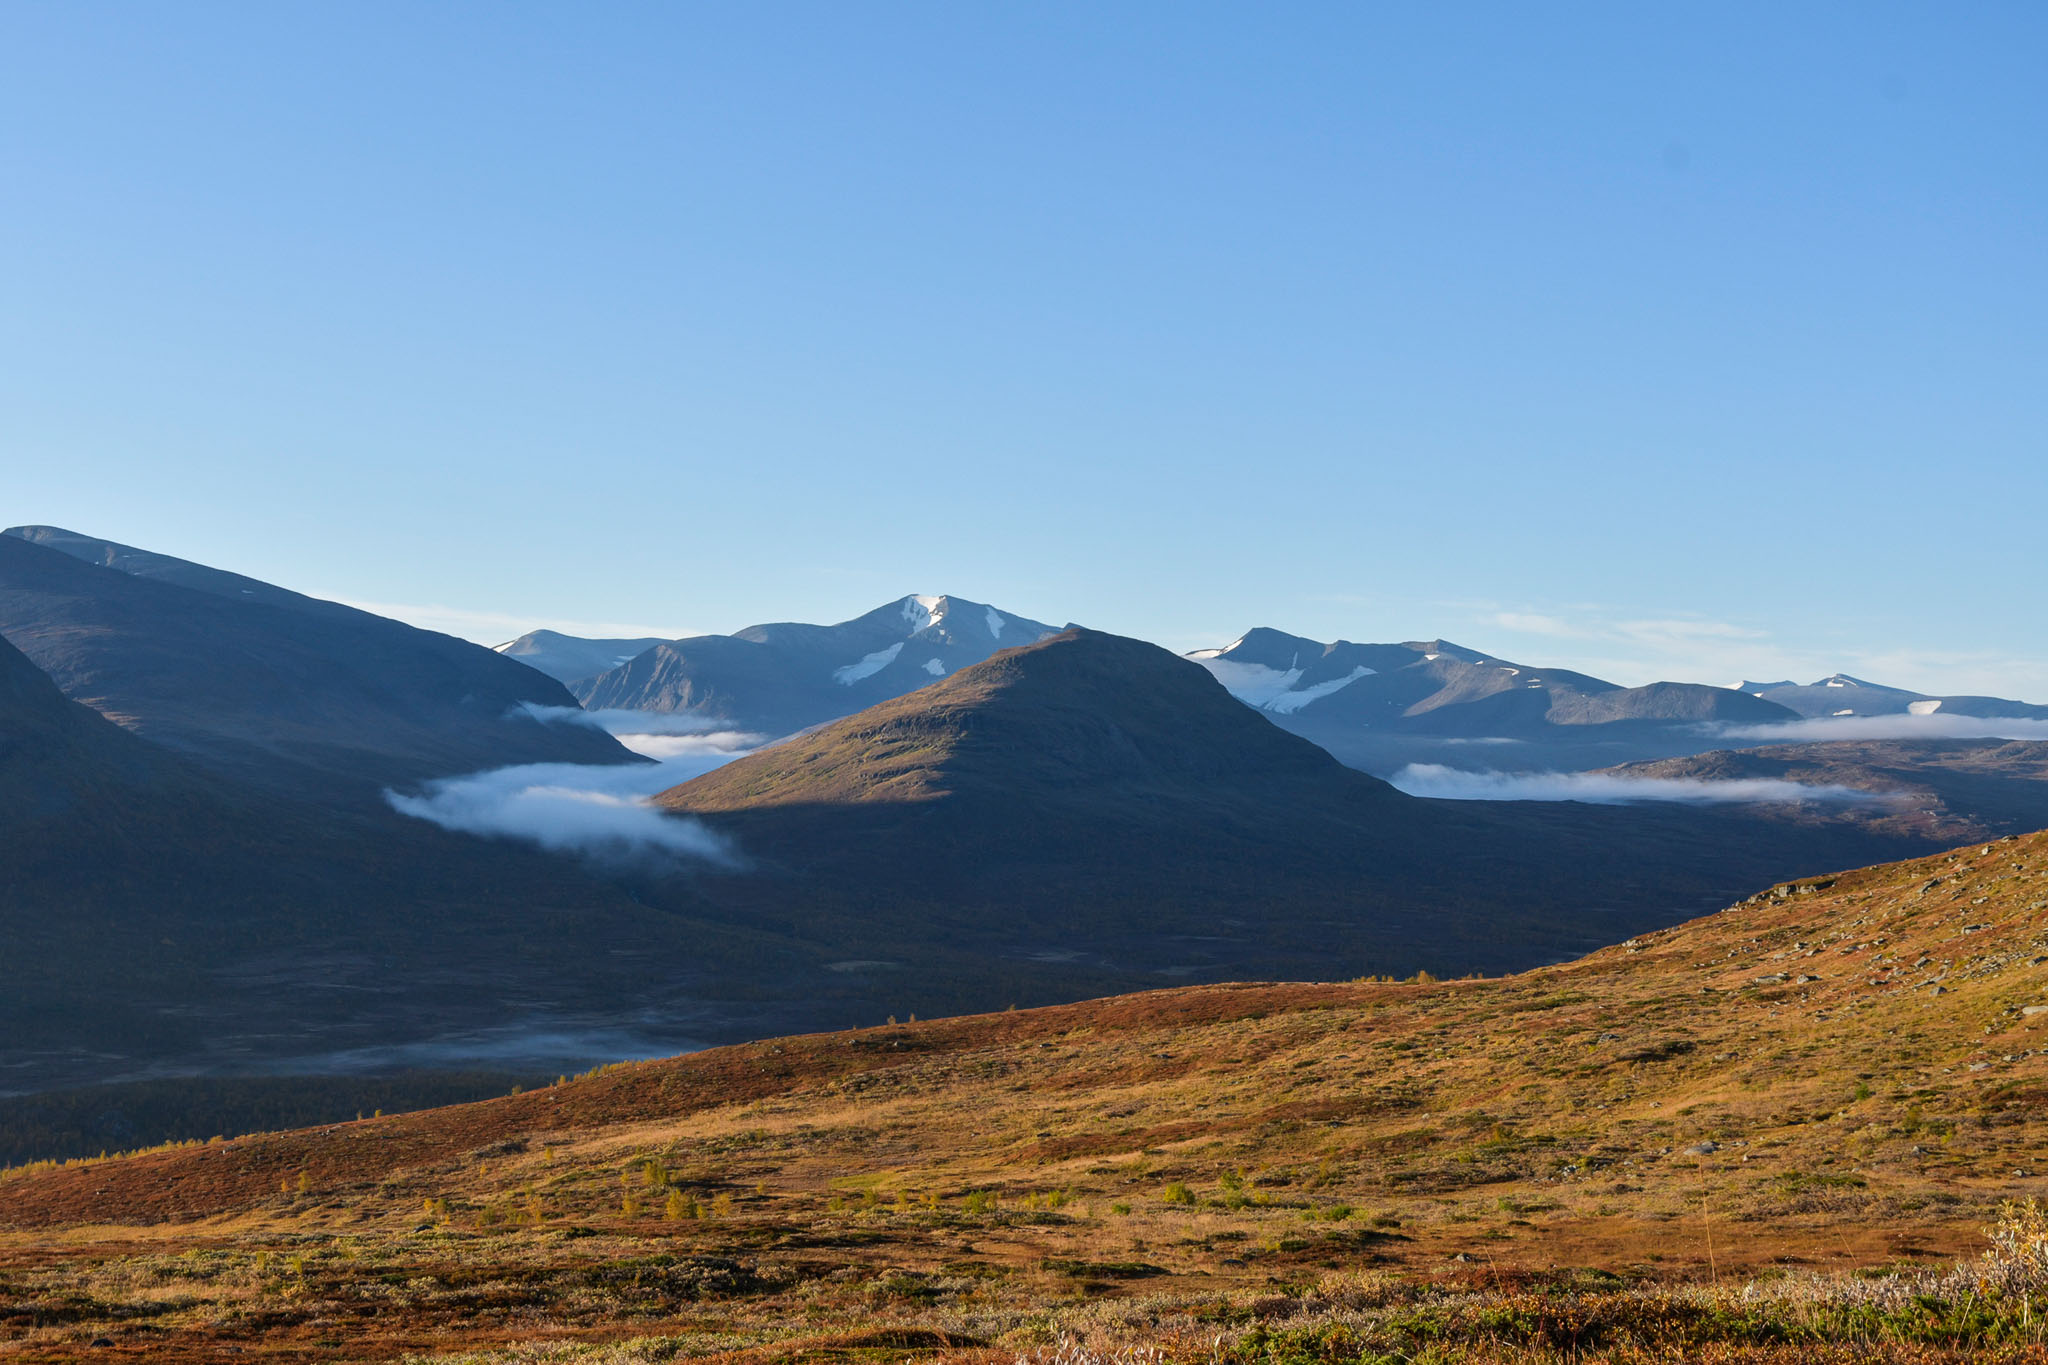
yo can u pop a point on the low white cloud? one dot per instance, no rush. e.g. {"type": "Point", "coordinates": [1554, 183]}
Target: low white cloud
{"type": "Point", "coordinates": [1607, 789]}
{"type": "Point", "coordinates": [602, 811]}
{"type": "Point", "coordinates": [624, 725]}
{"type": "Point", "coordinates": [1937, 726]}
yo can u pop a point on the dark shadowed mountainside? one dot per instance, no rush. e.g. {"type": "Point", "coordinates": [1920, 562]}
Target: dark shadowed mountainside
{"type": "Point", "coordinates": [267, 686]}
{"type": "Point", "coordinates": [160, 919]}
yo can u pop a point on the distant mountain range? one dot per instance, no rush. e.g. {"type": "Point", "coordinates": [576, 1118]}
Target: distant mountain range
{"type": "Point", "coordinates": [780, 678]}
{"type": "Point", "coordinates": [1097, 801]}
{"type": "Point", "coordinates": [1446, 689]}
{"type": "Point", "coordinates": [1381, 706]}
{"type": "Point", "coordinates": [1377, 707]}
{"type": "Point", "coordinates": [1842, 695]}
{"type": "Point", "coordinates": [974, 809]}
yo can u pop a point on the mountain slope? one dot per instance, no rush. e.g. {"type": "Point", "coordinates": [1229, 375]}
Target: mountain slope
{"type": "Point", "coordinates": [1082, 714]}
{"type": "Point", "coordinates": [266, 685]}
{"type": "Point", "coordinates": [777, 679]}
{"type": "Point", "coordinates": [1096, 801]}
{"type": "Point", "coordinates": [1837, 1075]}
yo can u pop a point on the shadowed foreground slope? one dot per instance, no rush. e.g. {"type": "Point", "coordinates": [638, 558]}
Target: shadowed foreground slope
{"type": "Point", "coordinates": [1841, 1073]}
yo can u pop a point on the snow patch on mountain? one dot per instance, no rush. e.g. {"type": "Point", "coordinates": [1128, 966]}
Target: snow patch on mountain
{"type": "Point", "coordinates": [935, 668]}
{"type": "Point", "coordinates": [923, 613]}
{"type": "Point", "coordinates": [1287, 703]}
{"type": "Point", "coordinates": [874, 663]}
{"type": "Point", "coordinates": [1252, 684]}
{"type": "Point", "coordinates": [995, 624]}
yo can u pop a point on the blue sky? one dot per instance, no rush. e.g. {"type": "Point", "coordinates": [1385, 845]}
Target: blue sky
{"type": "Point", "coordinates": [1654, 340]}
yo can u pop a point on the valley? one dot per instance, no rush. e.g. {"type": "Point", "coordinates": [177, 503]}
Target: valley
{"type": "Point", "coordinates": [213, 876]}
{"type": "Point", "coordinates": [1838, 1075]}
{"type": "Point", "coordinates": [1023, 685]}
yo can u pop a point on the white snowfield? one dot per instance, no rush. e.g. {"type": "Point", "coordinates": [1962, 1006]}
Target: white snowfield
{"type": "Point", "coordinates": [995, 624]}
{"type": "Point", "coordinates": [1923, 708]}
{"type": "Point", "coordinates": [923, 612]}
{"type": "Point", "coordinates": [1287, 703]}
{"type": "Point", "coordinates": [935, 668]}
{"type": "Point", "coordinates": [1252, 684]}
{"type": "Point", "coordinates": [1271, 689]}
{"type": "Point", "coordinates": [874, 663]}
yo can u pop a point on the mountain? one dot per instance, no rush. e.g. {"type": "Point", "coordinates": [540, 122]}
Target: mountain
{"type": "Point", "coordinates": [1073, 818]}
{"type": "Point", "coordinates": [1441, 688]}
{"type": "Point", "coordinates": [1097, 802]}
{"type": "Point", "coordinates": [162, 919]}
{"type": "Point", "coordinates": [572, 658]}
{"type": "Point", "coordinates": [1841, 695]}
{"type": "Point", "coordinates": [1764, 1135]}
{"type": "Point", "coordinates": [1380, 707]}
{"type": "Point", "coordinates": [262, 684]}
{"type": "Point", "coordinates": [777, 679]}
{"type": "Point", "coordinates": [1944, 789]}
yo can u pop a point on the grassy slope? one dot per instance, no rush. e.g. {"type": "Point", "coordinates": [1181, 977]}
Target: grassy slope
{"type": "Point", "coordinates": [1854, 1051]}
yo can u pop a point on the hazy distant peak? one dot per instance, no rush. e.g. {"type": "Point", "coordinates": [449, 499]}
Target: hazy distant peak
{"type": "Point", "coordinates": [1844, 680]}
{"type": "Point", "coordinates": [571, 658]}
{"type": "Point", "coordinates": [784, 676]}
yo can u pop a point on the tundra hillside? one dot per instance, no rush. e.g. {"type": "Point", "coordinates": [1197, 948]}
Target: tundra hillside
{"type": "Point", "coordinates": [1780, 1132]}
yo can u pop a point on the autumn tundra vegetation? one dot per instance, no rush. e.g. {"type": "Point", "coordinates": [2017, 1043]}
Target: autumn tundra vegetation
{"type": "Point", "coordinates": [1808, 1127]}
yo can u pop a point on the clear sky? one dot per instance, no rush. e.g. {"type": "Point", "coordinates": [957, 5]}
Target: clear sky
{"type": "Point", "coordinates": [1656, 340]}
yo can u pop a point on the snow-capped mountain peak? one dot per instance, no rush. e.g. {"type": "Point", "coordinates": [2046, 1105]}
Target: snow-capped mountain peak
{"type": "Point", "coordinates": [924, 612]}
{"type": "Point", "coordinates": [780, 677]}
